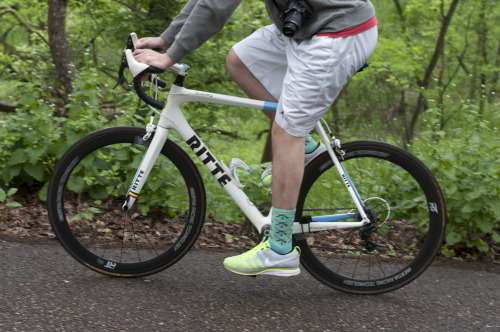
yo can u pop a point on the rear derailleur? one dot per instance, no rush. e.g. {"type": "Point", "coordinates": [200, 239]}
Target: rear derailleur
{"type": "Point", "coordinates": [366, 232]}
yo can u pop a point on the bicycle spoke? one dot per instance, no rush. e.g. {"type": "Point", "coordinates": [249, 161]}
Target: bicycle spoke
{"type": "Point", "coordinates": [88, 216]}
{"type": "Point", "coordinates": [389, 250]}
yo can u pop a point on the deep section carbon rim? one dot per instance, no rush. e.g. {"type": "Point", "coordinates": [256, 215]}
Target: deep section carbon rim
{"type": "Point", "coordinates": [406, 209]}
{"type": "Point", "coordinates": [86, 195]}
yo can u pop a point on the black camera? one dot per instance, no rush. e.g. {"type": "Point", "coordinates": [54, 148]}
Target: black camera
{"type": "Point", "coordinates": [296, 11]}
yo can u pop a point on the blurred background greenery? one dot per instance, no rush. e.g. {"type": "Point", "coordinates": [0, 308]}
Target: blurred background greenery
{"type": "Point", "coordinates": [432, 87]}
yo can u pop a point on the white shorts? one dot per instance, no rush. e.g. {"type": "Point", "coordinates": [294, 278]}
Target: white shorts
{"type": "Point", "coordinates": [305, 76]}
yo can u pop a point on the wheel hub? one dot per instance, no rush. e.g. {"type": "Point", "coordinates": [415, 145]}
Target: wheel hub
{"type": "Point", "coordinates": [366, 233]}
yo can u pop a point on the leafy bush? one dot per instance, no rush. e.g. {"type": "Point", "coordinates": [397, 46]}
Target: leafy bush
{"type": "Point", "coordinates": [466, 163]}
{"type": "Point", "coordinates": [27, 149]}
{"type": "Point", "coordinates": [376, 104]}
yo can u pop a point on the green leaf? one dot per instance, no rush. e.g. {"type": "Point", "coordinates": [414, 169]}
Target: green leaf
{"type": "Point", "coordinates": [35, 154]}
{"type": "Point", "coordinates": [76, 217]}
{"type": "Point", "coordinates": [18, 157]}
{"type": "Point", "coordinates": [36, 171]}
{"type": "Point", "coordinates": [453, 238]}
{"type": "Point", "coordinates": [496, 237]}
{"type": "Point", "coordinates": [8, 173]}
{"type": "Point", "coordinates": [486, 226]}
{"type": "Point", "coordinates": [27, 99]}
{"type": "Point", "coordinates": [13, 205]}
{"type": "Point", "coordinates": [11, 191]}
{"type": "Point", "coordinates": [43, 192]}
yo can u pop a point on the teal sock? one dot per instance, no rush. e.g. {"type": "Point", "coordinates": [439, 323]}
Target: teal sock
{"type": "Point", "coordinates": [280, 235]}
{"type": "Point", "coordinates": [311, 144]}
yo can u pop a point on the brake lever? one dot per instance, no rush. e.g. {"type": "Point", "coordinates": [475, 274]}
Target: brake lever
{"type": "Point", "coordinates": [121, 77]}
{"type": "Point", "coordinates": [132, 41]}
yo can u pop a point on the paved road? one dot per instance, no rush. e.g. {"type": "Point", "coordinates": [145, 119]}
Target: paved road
{"type": "Point", "coordinates": [43, 289]}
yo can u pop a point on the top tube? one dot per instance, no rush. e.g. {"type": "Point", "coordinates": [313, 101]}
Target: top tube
{"type": "Point", "coordinates": [269, 106]}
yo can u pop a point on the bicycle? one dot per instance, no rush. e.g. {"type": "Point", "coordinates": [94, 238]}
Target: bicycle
{"type": "Point", "coordinates": [371, 231]}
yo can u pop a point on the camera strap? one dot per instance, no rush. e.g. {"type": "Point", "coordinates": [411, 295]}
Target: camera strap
{"type": "Point", "coordinates": [280, 9]}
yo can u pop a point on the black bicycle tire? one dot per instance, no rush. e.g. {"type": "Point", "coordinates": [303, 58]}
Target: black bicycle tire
{"type": "Point", "coordinates": [434, 238]}
{"type": "Point", "coordinates": [63, 232]}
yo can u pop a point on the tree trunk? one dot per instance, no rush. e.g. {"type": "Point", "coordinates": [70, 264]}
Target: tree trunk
{"type": "Point", "coordinates": [267, 154]}
{"type": "Point", "coordinates": [7, 107]}
{"type": "Point", "coordinates": [424, 84]}
{"type": "Point", "coordinates": [59, 48]}
{"type": "Point", "coordinates": [482, 41]}
{"type": "Point", "coordinates": [399, 9]}
{"type": "Point", "coordinates": [496, 76]}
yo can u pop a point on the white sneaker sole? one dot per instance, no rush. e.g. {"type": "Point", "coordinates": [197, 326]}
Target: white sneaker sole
{"type": "Point", "coordinates": [271, 272]}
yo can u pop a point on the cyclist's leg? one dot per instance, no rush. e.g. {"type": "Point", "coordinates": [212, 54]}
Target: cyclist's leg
{"type": "Point", "coordinates": [316, 71]}
{"type": "Point", "coordinates": [288, 153]}
{"type": "Point", "coordinates": [258, 65]}
{"type": "Point", "coordinates": [276, 256]}
{"type": "Point", "coordinates": [256, 90]}
{"type": "Point", "coordinates": [247, 81]}
{"type": "Point", "coordinates": [288, 168]}
{"type": "Point", "coordinates": [318, 68]}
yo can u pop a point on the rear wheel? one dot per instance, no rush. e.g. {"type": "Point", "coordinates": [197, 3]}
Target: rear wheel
{"type": "Point", "coordinates": [87, 191]}
{"type": "Point", "coordinates": [406, 209]}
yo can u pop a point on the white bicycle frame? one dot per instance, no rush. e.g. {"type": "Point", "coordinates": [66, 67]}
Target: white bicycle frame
{"type": "Point", "coordinates": [172, 118]}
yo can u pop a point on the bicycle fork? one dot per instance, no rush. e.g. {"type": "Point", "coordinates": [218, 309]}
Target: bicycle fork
{"type": "Point", "coordinates": [145, 167]}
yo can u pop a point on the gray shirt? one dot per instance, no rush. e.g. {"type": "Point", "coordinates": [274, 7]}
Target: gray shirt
{"type": "Point", "coordinates": [202, 19]}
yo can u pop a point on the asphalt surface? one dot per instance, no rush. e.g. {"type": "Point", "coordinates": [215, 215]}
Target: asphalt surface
{"type": "Point", "coordinates": [43, 289]}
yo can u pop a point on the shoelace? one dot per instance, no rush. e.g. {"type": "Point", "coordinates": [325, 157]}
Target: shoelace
{"type": "Point", "coordinates": [261, 246]}
{"type": "Point", "coordinates": [264, 246]}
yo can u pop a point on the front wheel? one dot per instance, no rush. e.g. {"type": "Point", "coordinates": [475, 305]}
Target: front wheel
{"type": "Point", "coordinates": [87, 191]}
{"type": "Point", "coordinates": [403, 202]}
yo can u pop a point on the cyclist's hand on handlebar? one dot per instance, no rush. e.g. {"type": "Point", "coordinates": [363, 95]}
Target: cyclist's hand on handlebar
{"type": "Point", "coordinates": [159, 60]}
{"type": "Point", "coordinates": [153, 43]}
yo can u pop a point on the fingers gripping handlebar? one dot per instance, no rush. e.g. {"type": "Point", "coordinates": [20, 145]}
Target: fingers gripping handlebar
{"type": "Point", "coordinates": [139, 70]}
{"type": "Point", "coordinates": [138, 83]}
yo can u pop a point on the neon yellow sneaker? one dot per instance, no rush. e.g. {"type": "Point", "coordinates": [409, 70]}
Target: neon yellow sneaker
{"type": "Point", "coordinates": [263, 260]}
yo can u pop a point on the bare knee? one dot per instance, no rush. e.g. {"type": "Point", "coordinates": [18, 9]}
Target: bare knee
{"type": "Point", "coordinates": [246, 80]}
{"type": "Point", "coordinates": [280, 136]}
{"type": "Point", "coordinates": [234, 64]}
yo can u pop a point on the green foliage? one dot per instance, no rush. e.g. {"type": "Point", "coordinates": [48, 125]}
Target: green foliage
{"type": "Point", "coordinates": [456, 132]}
{"type": "Point", "coordinates": [5, 196]}
{"type": "Point", "coordinates": [466, 164]}
{"type": "Point", "coordinates": [23, 153]}
{"type": "Point", "coordinates": [35, 136]}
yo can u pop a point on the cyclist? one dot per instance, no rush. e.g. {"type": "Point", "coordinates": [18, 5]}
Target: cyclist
{"type": "Point", "coordinates": [302, 61]}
